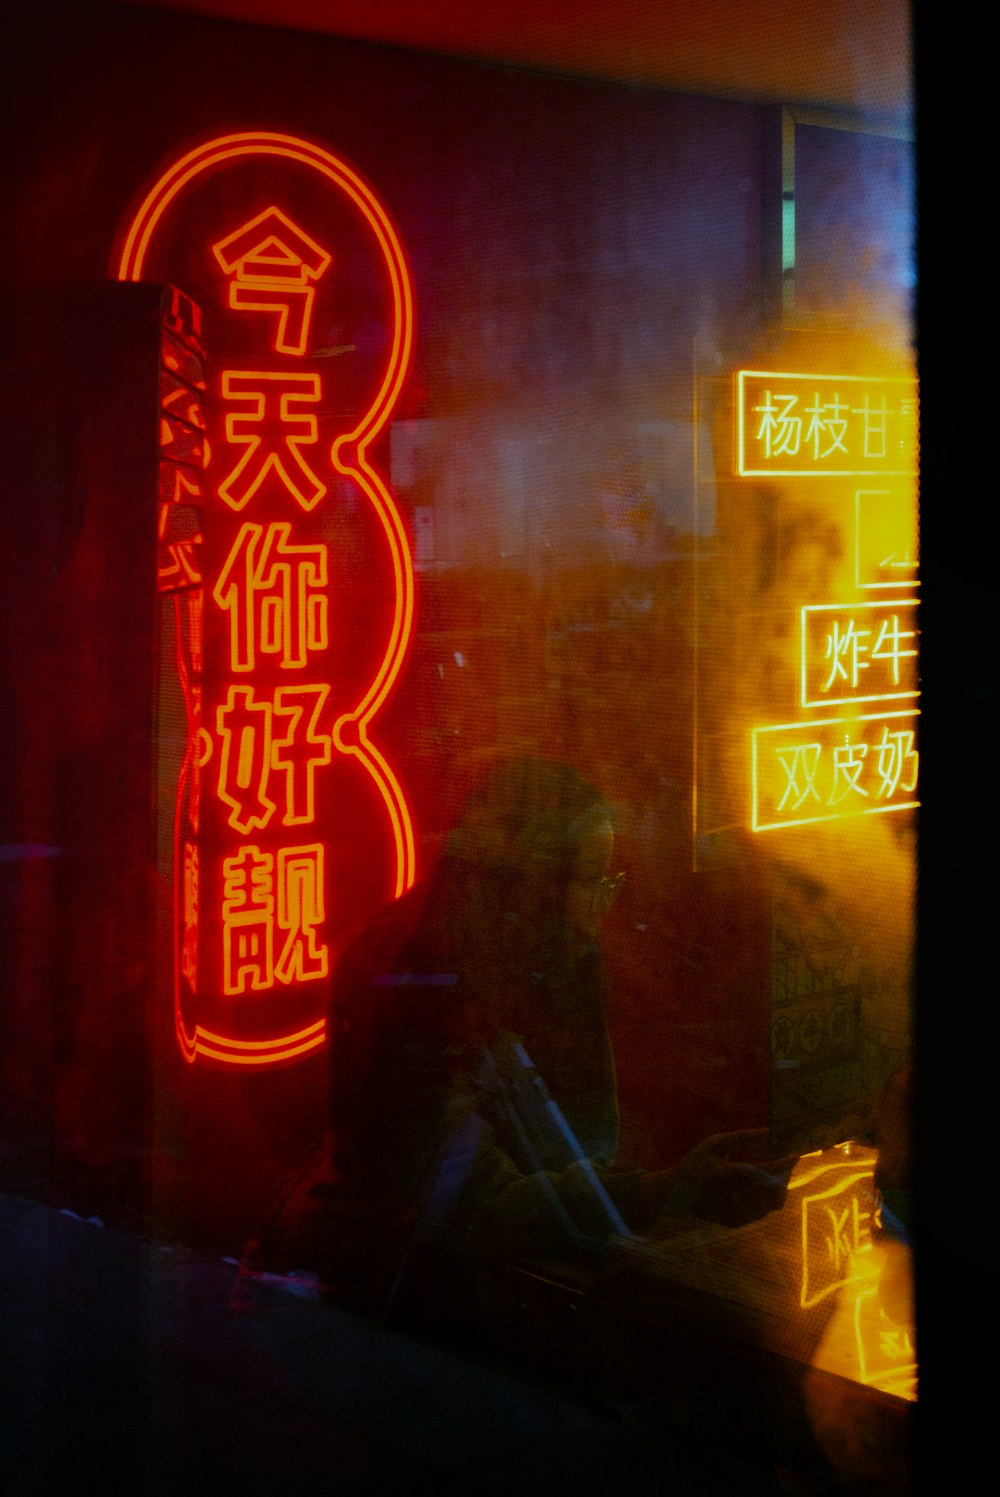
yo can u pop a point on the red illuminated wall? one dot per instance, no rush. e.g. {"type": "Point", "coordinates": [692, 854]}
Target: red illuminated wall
{"type": "Point", "coordinates": [569, 243]}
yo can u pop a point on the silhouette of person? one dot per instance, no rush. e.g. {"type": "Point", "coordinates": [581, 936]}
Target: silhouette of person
{"type": "Point", "coordinates": [472, 1094]}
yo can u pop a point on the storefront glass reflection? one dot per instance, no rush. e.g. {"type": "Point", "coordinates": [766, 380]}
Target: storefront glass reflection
{"type": "Point", "coordinates": [532, 482]}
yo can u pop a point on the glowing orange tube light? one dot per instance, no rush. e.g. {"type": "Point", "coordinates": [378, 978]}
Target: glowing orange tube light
{"type": "Point", "coordinates": [272, 591]}
{"type": "Point", "coordinates": [265, 143]}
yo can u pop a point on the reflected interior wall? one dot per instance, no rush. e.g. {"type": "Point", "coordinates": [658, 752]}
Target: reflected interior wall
{"type": "Point", "coordinates": [569, 243]}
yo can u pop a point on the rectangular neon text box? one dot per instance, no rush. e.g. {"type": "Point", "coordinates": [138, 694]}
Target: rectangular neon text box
{"type": "Point", "coordinates": [836, 1227]}
{"type": "Point", "coordinates": [886, 539]}
{"type": "Point", "coordinates": [796, 425]}
{"type": "Point", "coordinates": [806, 772]}
{"type": "Point", "coordinates": [859, 652]}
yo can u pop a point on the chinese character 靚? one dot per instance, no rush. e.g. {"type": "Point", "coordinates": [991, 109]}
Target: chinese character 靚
{"type": "Point", "coordinates": [264, 894]}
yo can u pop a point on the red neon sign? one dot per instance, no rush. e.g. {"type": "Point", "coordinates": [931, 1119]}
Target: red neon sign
{"type": "Point", "coordinates": [269, 260]}
{"type": "Point", "coordinates": [260, 391]}
{"type": "Point", "coordinates": [291, 822]}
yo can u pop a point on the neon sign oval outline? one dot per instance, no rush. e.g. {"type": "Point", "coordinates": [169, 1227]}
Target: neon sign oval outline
{"type": "Point", "coordinates": [348, 455]}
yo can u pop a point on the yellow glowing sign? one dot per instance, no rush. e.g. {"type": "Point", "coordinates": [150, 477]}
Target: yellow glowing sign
{"type": "Point", "coordinates": [887, 1358]}
{"type": "Point", "coordinates": [823, 771]}
{"type": "Point", "coordinates": [885, 539]}
{"type": "Point", "coordinates": [824, 425]}
{"type": "Point", "coordinates": [836, 1217]}
{"type": "Point", "coordinates": [864, 652]}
